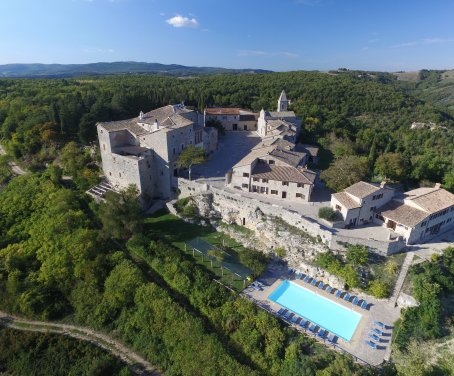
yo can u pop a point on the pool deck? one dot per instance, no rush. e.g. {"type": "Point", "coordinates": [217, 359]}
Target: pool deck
{"type": "Point", "coordinates": [378, 310]}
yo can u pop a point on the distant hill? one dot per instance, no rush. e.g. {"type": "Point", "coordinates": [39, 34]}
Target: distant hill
{"type": "Point", "coordinates": [122, 67]}
{"type": "Point", "coordinates": [435, 86]}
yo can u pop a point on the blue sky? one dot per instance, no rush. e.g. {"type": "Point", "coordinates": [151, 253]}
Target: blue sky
{"type": "Point", "coordinates": [270, 34]}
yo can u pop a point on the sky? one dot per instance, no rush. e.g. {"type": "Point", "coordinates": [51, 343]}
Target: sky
{"type": "Point", "coordinates": [278, 35]}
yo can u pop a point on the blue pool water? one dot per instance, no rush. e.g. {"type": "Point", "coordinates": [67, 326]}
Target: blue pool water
{"type": "Point", "coordinates": [313, 307]}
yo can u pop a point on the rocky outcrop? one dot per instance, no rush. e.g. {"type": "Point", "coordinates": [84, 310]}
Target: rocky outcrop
{"type": "Point", "coordinates": [406, 301]}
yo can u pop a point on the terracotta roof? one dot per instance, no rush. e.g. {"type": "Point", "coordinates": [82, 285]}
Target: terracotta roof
{"type": "Point", "coordinates": [362, 189]}
{"type": "Point", "coordinates": [280, 173]}
{"type": "Point", "coordinates": [404, 214]}
{"type": "Point", "coordinates": [346, 200]}
{"type": "Point", "coordinates": [253, 155]}
{"type": "Point", "coordinates": [431, 200]}
{"type": "Point", "coordinates": [222, 111]}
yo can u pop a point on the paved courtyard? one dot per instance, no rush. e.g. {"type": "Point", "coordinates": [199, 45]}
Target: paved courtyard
{"type": "Point", "coordinates": [233, 147]}
{"type": "Point", "coordinates": [378, 310]}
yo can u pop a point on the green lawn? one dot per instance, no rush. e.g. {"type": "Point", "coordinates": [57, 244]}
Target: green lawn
{"type": "Point", "coordinates": [176, 231]}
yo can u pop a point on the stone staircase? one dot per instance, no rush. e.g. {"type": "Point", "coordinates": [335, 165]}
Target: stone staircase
{"type": "Point", "coordinates": [400, 280]}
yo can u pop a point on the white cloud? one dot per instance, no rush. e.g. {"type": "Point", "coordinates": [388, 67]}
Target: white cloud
{"type": "Point", "coordinates": [180, 21]}
{"type": "Point", "coordinates": [424, 41]}
{"type": "Point", "coordinates": [266, 53]}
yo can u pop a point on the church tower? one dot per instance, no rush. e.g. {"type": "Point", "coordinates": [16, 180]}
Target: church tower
{"type": "Point", "coordinates": [282, 102]}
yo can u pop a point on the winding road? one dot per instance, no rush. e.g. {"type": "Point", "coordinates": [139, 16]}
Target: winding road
{"type": "Point", "coordinates": [17, 170]}
{"type": "Point", "coordinates": [135, 362]}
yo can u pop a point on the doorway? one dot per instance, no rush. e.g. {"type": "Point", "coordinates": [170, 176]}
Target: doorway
{"type": "Point", "coordinates": [284, 194]}
{"type": "Point", "coordinates": [235, 127]}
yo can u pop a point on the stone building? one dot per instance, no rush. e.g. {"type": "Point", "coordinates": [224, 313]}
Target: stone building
{"type": "Point", "coordinates": [274, 170]}
{"type": "Point", "coordinates": [358, 203]}
{"type": "Point", "coordinates": [420, 214]}
{"type": "Point", "coordinates": [416, 215]}
{"type": "Point", "coordinates": [232, 119]}
{"type": "Point", "coordinates": [143, 151]}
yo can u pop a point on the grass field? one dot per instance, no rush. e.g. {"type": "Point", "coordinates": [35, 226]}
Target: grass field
{"type": "Point", "coordinates": [178, 232]}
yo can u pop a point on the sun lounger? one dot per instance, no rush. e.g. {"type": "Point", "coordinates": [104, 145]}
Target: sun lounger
{"type": "Point", "coordinates": [312, 328]}
{"type": "Point", "coordinates": [287, 315]}
{"type": "Point", "coordinates": [303, 323]}
{"type": "Point", "coordinates": [347, 297]}
{"type": "Point", "coordinates": [299, 275]}
{"type": "Point", "coordinates": [338, 293]}
{"type": "Point", "coordinates": [331, 338]}
{"type": "Point", "coordinates": [380, 324]}
{"type": "Point", "coordinates": [374, 337]}
{"type": "Point", "coordinates": [295, 319]}
{"type": "Point", "coordinates": [355, 300]}
{"type": "Point", "coordinates": [321, 334]}
{"type": "Point", "coordinates": [281, 311]}
{"type": "Point", "coordinates": [306, 279]}
{"type": "Point", "coordinates": [364, 305]}
{"type": "Point", "coordinates": [314, 282]}
{"type": "Point", "coordinates": [371, 344]}
{"type": "Point", "coordinates": [258, 288]}
{"type": "Point", "coordinates": [329, 289]}
{"type": "Point", "coordinates": [358, 303]}
{"type": "Point", "coordinates": [321, 285]}
{"type": "Point", "coordinates": [379, 332]}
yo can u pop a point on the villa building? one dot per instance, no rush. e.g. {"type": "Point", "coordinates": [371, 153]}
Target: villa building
{"type": "Point", "coordinates": [420, 214]}
{"type": "Point", "coordinates": [143, 151]}
{"type": "Point", "coordinates": [416, 215]}
{"type": "Point", "coordinates": [358, 203]}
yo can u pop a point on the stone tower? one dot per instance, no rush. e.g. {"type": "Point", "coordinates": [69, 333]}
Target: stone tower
{"type": "Point", "coordinates": [282, 102]}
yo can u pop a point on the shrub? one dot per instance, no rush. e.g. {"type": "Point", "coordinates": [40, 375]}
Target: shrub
{"type": "Point", "coordinates": [280, 251]}
{"type": "Point", "coordinates": [379, 289]}
{"type": "Point", "coordinates": [357, 255]}
{"type": "Point", "coordinates": [329, 214]}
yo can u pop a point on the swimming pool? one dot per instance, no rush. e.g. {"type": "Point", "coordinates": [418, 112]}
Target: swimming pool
{"type": "Point", "coordinates": [313, 307]}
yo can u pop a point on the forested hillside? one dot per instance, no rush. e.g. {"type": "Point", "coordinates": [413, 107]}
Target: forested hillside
{"type": "Point", "coordinates": [361, 120]}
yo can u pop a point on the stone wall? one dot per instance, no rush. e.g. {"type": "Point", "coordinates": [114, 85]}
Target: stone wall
{"type": "Point", "coordinates": [275, 226]}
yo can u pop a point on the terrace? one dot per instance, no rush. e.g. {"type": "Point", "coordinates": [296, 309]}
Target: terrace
{"type": "Point", "coordinates": [377, 311]}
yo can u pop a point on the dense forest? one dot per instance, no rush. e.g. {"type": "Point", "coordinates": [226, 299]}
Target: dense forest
{"type": "Point", "coordinates": [361, 121]}
{"type": "Point", "coordinates": [63, 256]}
{"type": "Point", "coordinates": [38, 354]}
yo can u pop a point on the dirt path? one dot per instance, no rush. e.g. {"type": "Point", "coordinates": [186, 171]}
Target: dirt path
{"type": "Point", "coordinates": [135, 362]}
{"type": "Point", "coordinates": [14, 167]}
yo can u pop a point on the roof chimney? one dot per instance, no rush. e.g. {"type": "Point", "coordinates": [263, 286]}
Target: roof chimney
{"type": "Point", "coordinates": [437, 185]}
{"type": "Point", "coordinates": [156, 124]}
{"type": "Point", "coordinates": [141, 115]}
{"type": "Point", "coordinates": [383, 184]}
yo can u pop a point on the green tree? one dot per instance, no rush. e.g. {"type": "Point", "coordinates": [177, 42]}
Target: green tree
{"type": "Point", "coordinates": [190, 156]}
{"type": "Point", "coordinates": [379, 289]}
{"type": "Point", "coordinates": [391, 166]}
{"type": "Point", "coordinates": [345, 171]}
{"type": "Point", "coordinates": [357, 255]}
{"type": "Point", "coordinates": [120, 213]}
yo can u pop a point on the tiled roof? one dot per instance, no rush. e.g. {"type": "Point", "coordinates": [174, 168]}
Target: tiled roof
{"type": "Point", "coordinates": [292, 158]}
{"type": "Point", "coordinates": [130, 125]}
{"type": "Point", "coordinates": [253, 155]}
{"type": "Point", "coordinates": [162, 113]}
{"type": "Point", "coordinates": [362, 189]}
{"type": "Point", "coordinates": [404, 214]}
{"type": "Point", "coordinates": [222, 111]}
{"type": "Point", "coordinates": [431, 200]}
{"type": "Point", "coordinates": [283, 96]}
{"type": "Point", "coordinates": [281, 173]}
{"type": "Point", "coordinates": [346, 200]}
{"type": "Point", "coordinates": [306, 148]}
{"type": "Point", "coordinates": [280, 114]}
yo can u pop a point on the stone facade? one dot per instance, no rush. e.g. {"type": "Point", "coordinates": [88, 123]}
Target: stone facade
{"type": "Point", "coordinates": [232, 119]}
{"type": "Point", "coordinates": [143, 151]}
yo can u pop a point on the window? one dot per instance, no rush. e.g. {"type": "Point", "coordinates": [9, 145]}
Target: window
{"type": "Point", "coordinates": [110, 174]}
{"type": "Point", "coordinates": [119, 174]}
{"type": "Point", "coordinates": [182, 147]}
{"type": "Point", "coordinates": [173, 151]}
{"type": "Point", "coordinates": [274, 192]}
{"type": "Point", "coordinates": [285, 183]}
{"type": "Point", "coordinates": [271, 161]}
{"type": "Point", "coordinates": [448, 220]}
{"type": "Point", "coordinates": [338, 207]}
{"type": "Point", "coordinates": [264, 180]}
{"type": "Point", "coordinates": [245, 174]}
{"type": "Point", "coordinates": [254, 188]}
{"type": "Point", "coordinates": [245, 185]}
{"type": "Point", "coordinates": [104, 146]}
{"type": "Point", "coordinates": [300, 195]}
{"type": "Point", "coordinates": [255, 179]}
{"type": "Point", "coordinates": [372, 208]}
{"type": "Point", "coordinates": [300, 185]}
{"type": "Point", "coordinates": [380, 217]}
{"type": "Point", "coordinates": [224, 118]}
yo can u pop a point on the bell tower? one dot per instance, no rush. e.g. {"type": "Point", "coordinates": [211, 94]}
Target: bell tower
{"type": "Point", "coordinates": [282, 102]}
